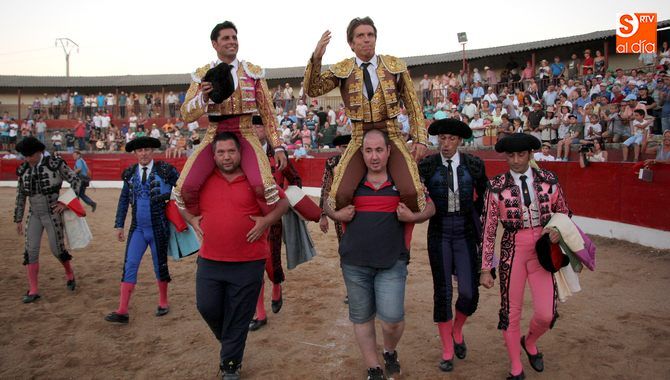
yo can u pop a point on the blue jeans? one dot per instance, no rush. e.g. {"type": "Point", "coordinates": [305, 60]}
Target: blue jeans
{"type": "Point", "coordinates": [376, 291]}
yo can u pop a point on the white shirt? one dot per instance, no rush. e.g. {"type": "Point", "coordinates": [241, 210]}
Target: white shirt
{"type": "Point", "coordinates": [97, 121]}
{"type": "Point", "coordinates": [301, 111]}
{"type": "Point", "coordinates": [529, 182]}
{"type": "Point", "coordinates": [192, 126]}
{"type": "Point", "coordinates": [105, 121]}
{"type": "Point", "coordinates": [538, 156]}
{"type": "Point", "coordinates": [455, 161]}
{"type": "Point", "coordinates": [155, 133]}
{"type": "Point", "coordinates": [372, 69]}
{"type": "Point", "coordinates": [149, 167]}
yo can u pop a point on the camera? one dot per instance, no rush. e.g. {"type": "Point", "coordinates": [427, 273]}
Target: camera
{"type": "Point", "coordinates": [586, 148]}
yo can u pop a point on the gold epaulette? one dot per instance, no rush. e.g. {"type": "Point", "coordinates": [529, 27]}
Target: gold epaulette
{"type": "Point", "coordinates": [343, 68]}
{"type": "Point", "coordinates": [200, 73]}
{"type": "Point", "coordinates": [393, 64]}
{"type": "Point", "coordinates": [255, 72]}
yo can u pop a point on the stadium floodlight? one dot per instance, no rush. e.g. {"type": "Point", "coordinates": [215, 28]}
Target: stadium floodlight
{"type": "Point", "coordinates": [462, 37]}
{"type": "Point", "coordinates": [68, 45]}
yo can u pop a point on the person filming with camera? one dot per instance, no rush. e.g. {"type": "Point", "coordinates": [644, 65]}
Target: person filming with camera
{"type": "Point", "coordinates": [592, 152]}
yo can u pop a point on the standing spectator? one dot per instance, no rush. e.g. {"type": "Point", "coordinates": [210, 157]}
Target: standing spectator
{"type": "Point", "coordinates": [277, 97]}
{"type": "Point", "coordinates": [557, 68]}
{"type": "Point", "coordinates": [4, 134]}
{"type": "Point", "coordinates": [100, 102]}
{"type": "Point", "coordinates": [491, 78]}
{"type": "Point", "coordinates": [57, 141]}
{"type": "Point", "coordinates": [424, 85]}
{"type": "Point", "coordinates": [476, 76]}
{"type": "Point", "coordinates": [148, 102]}
{"type": "Point", "coordinates": [110, 102]}
{"type": "Point", "coordinates": [574, 66]}
{"type": "Point", "coordinates": [599, 64]}
{"type": "Point", "coordinates": [288, 97]}
{"type": "Point", "coordinates": [171, 101]}
{"type": "Point", "coordinates": [588, 62]}
{"type": "Point", "coordinates": [123, 102]}
{"type": "Point", "coordinates": [41, 129]}
{"type": "Point", "coordinates": [84, 174]}
{"type": "Point", "coordinates": [69, 141]}
{"type": "Point", "coordinates": [301, 112]}
{"type": "Point", "coordinates": [477, 93]}
{"type": "Point", "coordinates": [56, 104]}
{"type": "Point", "coordinates": [478, 128]}
{"type": "Point", "coordinates": [13, 133]}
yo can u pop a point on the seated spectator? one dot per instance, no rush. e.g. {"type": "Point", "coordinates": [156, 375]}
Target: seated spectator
{"type": "Point", "coordinates": [592, 129]}
{"type": "Point", "coordinates": [306, 136]}
{"type": "Point", "coordinates": [593, 152]}
{"type": "Point", "coordinates": [505, 128]}
{"type": "Point", "coordinates": [548, 127]}
{"type": "Point", "coordinates": [640, 128]}
{"type": "Point", "coordinates": [616, 130]}
{"type": "Point", "coordinates": [57, 141]}
{"type": "Point", "coordinates": [428, 110]}
{"type": "Point", "coordinates": [662, 152]}
{"type": "Point", "coordinates": [544, 154]}
{"type": "Point", "coordinates": [572, 136]}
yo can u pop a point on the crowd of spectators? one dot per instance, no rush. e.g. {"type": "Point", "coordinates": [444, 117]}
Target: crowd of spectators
{"type": "Point", "coordinates": [99, 134]}
{"type": "Point", "coordinates": [562, 104]}
{"type": "Point", "coordinates": [75, 105]}
{"type": "Point", "coordinates": [579, 101]}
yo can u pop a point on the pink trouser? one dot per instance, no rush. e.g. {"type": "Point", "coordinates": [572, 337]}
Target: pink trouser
{"type": "Point", "coordinates": [200, 164]}
{"type": "Point", "coordinates": [525, 266]}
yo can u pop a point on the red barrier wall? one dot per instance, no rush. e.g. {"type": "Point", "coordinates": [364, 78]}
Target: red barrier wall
{"type": "Point", "coordinates": [607, 191]}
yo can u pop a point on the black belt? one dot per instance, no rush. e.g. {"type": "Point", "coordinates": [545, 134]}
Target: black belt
{"type": "Point", "coordinates": [218, 118]}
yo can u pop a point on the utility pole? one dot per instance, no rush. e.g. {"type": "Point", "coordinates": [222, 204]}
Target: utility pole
{"type": "Point", "coordinates": [68, 45]}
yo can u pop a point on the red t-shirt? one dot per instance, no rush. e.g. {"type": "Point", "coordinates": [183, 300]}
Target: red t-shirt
{"type": "Point", "coordinates": [225, 208]}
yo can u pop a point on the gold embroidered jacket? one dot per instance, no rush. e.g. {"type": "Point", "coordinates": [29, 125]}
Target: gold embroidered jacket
{"type": "Point", "coordinates": [395, 84]}
{"type": "Point", "coordinates": [251, 96]}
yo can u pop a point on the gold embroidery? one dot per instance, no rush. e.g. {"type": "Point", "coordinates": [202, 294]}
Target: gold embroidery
{"type": "Point", "coordinates": [254, 71]}
{"type": "Point", "coordinates": [317, 83]}
{"type": "Point", "coordinates": [343, 68]}
{"type": "Point", "coordinates": [393, 64]}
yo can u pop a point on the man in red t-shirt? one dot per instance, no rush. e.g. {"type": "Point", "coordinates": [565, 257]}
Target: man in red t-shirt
{"type": "Point", "coordinates": [233, 252]}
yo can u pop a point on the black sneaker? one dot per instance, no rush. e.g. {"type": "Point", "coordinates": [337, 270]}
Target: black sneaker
{"type": "Point", "coordinates": [231, 370]}
{"type": "Point", "coordinates": [391, 364]}
{"type": "Point", "coordinates": [29, 298]}
{"type": "Point", "coordinates": [376, 374]}
{"type": "Point", "coordinates": [71, 284]}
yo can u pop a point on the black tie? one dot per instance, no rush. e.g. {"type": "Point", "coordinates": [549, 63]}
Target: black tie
{"type": "Point", "coordinates": [367, 80]}
{"type": "Point", "coordinates": [144, 174]}
{"type": "Point", "coordinates": [230, 73]}
{"type": "Point", "coordinates": [524, 189]}
{"type": "Point", "coordinates": [450, 176]}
